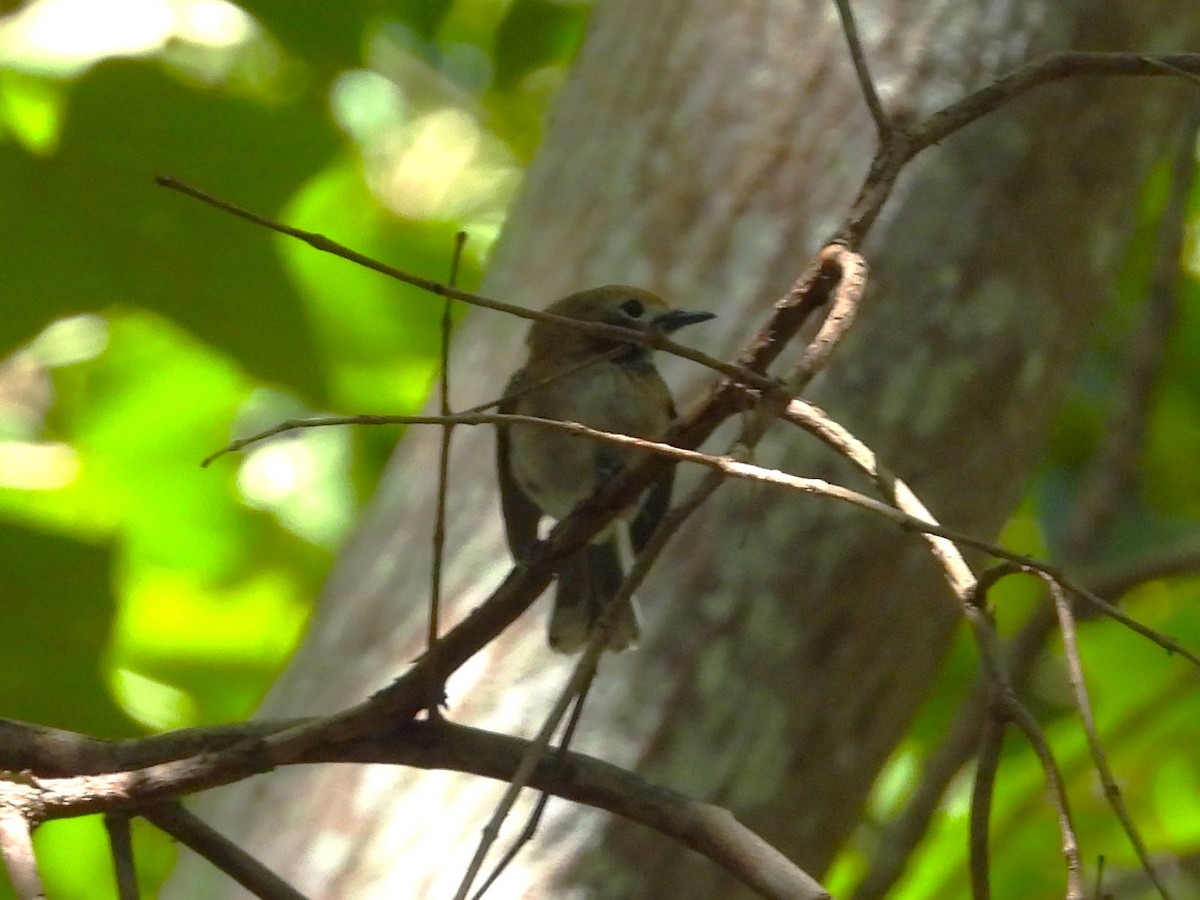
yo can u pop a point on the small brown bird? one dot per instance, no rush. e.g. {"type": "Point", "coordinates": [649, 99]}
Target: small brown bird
{"type": "Point", "coordinates": [545, 472]}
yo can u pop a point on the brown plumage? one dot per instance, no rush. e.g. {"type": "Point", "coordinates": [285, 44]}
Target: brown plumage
{"type": "Point", "coordinates": [545, 472]}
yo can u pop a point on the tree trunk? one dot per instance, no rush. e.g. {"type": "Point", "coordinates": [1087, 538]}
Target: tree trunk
{"type": "Point", "coordinates": [705, 150]}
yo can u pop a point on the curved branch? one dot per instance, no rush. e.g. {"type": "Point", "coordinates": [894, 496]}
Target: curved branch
{"type": "Point", "coordinates": [710, 830]}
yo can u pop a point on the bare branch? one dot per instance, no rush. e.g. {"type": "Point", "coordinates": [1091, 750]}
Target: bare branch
{"type": "Point", "coordinates": [1024, 720]}
{"type": "Point", "coordinates": [655, 339]}
{"type": "Point", "coordinates": [51, 752]}
{"type": "Point", "coordinates": [904, 144]}
{"type": "Point", "coordinates": [433, 708]}
{"type": "Point", "coordinates": [850, 29]}
{"type": "Point", "coordinates": [16, 848]}
{"type": "Point", "coordinates": [1051, 68]}
{"type": "Point", "coordinates": [436, 744]}
{"type": "Point", "coordinates": [847, 299]}
{"type": "Point", "coordinates": [120, 841]}
{"type": "Point", "coordinates": [220, 851]}
{"type": "Point", "coordinates": [534, 754]}
{"type": "Point", "coordinates": [990, 744]}
{"type": "Point", "coordinates": [1066, 623]}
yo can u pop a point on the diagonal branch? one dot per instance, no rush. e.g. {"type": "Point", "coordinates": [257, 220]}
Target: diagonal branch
{"type": "Point", "coordinates": [231, 859]}
{"type": "Point", "coordinates": [1066, 624]}
{"type": "Point", "coordinates": [883, 123]}
{"type": "Point", "coordinates": [120, 841]}
{"type": "Point", "coordinates": [16, 849]}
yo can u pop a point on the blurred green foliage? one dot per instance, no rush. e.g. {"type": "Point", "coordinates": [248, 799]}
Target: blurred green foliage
{"type": "Point", "coordinates": [143, 330]}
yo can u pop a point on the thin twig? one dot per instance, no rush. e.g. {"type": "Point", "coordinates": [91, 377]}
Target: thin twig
{"type": "Point", "coordinates": [1024, 720]}
{"type": "Point", "coordinates": [518, 844]}
{"type": "Point", "coordinates": [538, 383]}
{"type": "Point", "coordinates": [1066, 622]}
{"type": "Point", "coordinates": [651, 338]}
{"type": "Point", "coordinates": [539, 809]}
{"type": "Point", "coordinates": [847, 300]}
{"type": "Point", "coordinates": [1169, 69]}
{"type": "Point", "coordinates": [16, 848]}
{"type": "Point", "coordinates": [1050, 68]}
{"type": "Point", "coordinates": [439, 517]}
{"type": "Point", "coordinates": [738, 469]}
{"type": "Point", "coordinates": [991, 742]}
{"type": "Point", "coordinates": [893, 489]}
{"type": "Point", "coordinates": [585, 669]}
{"type": "Point", "coordinates": [227, 856]}
{"type": "Point", "coordinates": [904, 144]}
{"type": "Point", "coordinates": [866, 84]}
{"type": "Point", "coordinates": [120, 842]}
{"type": "Point", "coordinates": [534, 754]}
{"type": "Point", "coordinates": [957, 747]}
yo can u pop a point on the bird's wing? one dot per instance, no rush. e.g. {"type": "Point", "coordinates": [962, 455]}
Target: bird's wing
{"type": "Point", "coordinates": [521, 515]}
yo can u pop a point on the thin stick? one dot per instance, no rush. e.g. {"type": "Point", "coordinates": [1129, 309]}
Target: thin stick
{"type": "Point", "coordinates": [585, 669]}
{"type": "Point", "coordinates": [847, 300]}
{"type": "Point", "coordinates": [1050, 68]}
{"type": "Point", "coordinates": [866, 84]}
{"type": "Point", "coordinates": [534, 754]}
{"type": "Point", "coordinates": [654, 339]}
{"type": "Point", "coordinates": [439, 518]}
{"type": "Point", "coordinates": [1024, 720]}
{"type": "Point", "coordinates": [120, 842]}
{"type": "Point", "coordinates": [539, 383]}
{"type": "Point", "coordinates": [227, 856]}
{"type": "Point", "coordinates": [16, 848]}
{"type": "Point", "coordinates": [738, 469]}
{"type": "Point", "coordinates": [1066, 622]}
{"type": "Point", "coordinates": [990, 744]}
{"type": "Point", "coordinates": [903, 144]}
{"type": "Point", "coordinates": [539, 809]}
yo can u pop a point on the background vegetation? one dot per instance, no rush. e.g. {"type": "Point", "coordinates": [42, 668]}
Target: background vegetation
{"type": "Point", "coordinates": [141, 332]}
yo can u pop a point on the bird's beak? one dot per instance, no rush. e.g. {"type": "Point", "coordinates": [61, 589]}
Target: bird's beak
{"type": "Point", "coordinates": [677, 318]}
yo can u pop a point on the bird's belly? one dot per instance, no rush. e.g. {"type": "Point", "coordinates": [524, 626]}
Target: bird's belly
{"type": "Point", "coordinates": [556, 470]}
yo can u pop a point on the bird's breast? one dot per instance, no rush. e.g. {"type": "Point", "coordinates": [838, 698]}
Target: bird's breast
{"type": "Point", "coordinates": [557, 470]}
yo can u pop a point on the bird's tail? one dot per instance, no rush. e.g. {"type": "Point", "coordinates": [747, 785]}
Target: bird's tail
{"type": "Point", "coordinates": [588, 580]}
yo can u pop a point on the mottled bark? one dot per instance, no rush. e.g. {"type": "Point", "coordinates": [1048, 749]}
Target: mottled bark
{"type": "Point", "coordinates": [704, 150]}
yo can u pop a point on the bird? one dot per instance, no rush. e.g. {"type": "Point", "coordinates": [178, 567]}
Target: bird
{"type": "Point", "coordinates": [605, 384]}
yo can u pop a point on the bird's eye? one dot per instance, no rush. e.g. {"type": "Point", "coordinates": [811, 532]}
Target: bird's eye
{"type": "Point", "coordinates": [633, 308]}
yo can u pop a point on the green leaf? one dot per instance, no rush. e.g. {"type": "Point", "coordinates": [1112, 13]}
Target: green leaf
{"type": "Point", "coordinates": [89, 230]}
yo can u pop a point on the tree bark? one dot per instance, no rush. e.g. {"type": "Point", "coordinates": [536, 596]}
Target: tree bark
{"type": "Point", "coordinates": [705, 150]}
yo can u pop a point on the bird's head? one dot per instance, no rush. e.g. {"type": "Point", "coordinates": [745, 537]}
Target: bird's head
{"type": "Point", "coordinates": [614, 304]}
